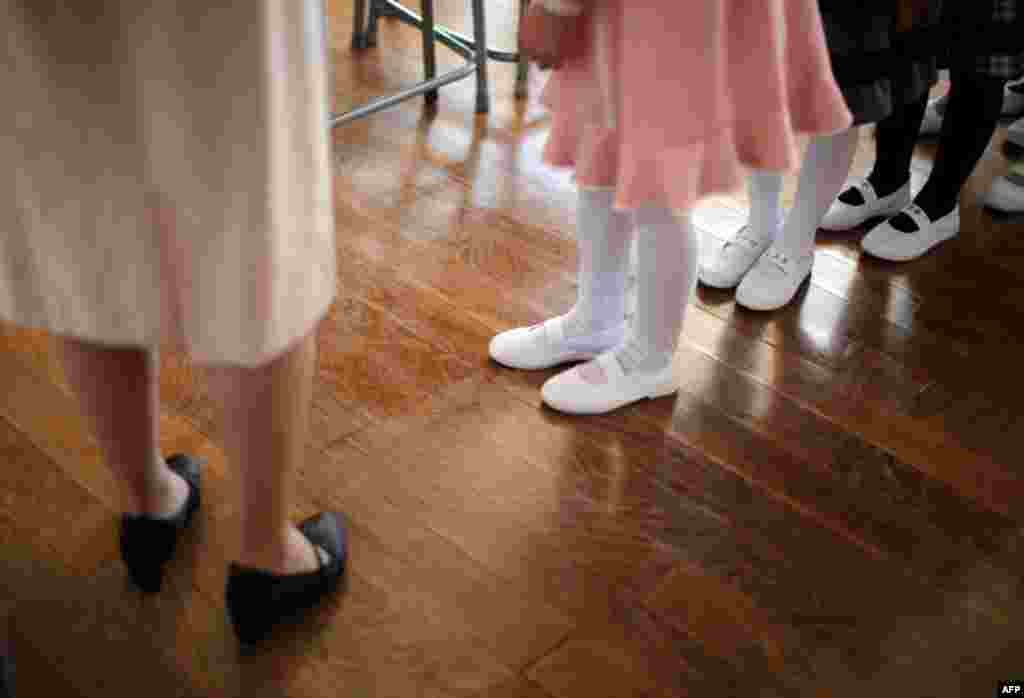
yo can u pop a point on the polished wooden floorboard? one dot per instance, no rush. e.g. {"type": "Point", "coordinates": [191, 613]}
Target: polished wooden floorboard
{"type": "Point", "coordinates": [830, 508]}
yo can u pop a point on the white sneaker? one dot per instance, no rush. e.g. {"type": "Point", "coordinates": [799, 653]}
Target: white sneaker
{"type": "Point", "coordinates": [545, 345]}
{"type": "Point", "coordinates": [774, 280]}
{"type": "Point", "coordinates": [1007, 192]}
{"type": "Point", "coordinates": [843, 216]}
{"type": "Point", "coordinates": [1015, 136]}
{"type": "Point", "coordinates": [885, 242]}
{"type": "Point", "coordinates": [931, 124]}
{"type": "Point", "coordinates": [734, 259]}
{"type": "Point", "coordinates": [1013, 98]}
{"type": "Point", "coordinates": [609, 389]}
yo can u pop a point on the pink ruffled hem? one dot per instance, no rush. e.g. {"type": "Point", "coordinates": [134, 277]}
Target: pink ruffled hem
{"type": "Point", "coordinates": [675, 176]}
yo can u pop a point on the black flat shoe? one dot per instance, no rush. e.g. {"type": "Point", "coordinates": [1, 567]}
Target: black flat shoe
{"type": "Point", "coordinates": [6, 677]}
{"type": "Point", "coordinates": [258, 600]}
{"type": "Point", "coordinates": [149, 542]}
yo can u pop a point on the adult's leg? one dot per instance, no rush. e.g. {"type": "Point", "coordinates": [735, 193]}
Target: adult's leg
{"type": "Point", "coordinates": [266, 428]}
{"type": "Point", "coordinates": [119, 392]}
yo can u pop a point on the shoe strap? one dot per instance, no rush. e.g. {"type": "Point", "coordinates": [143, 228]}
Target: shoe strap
{"type": "Point", "coordinates": [917, 214]}
{"type": "Point", "coordinates": [783, 260]}
{"type": "Point", "coordinates": [866, 190]}
{"type": "Point", "coordinates": [743, 236]}
{"type": "Point", "coordinates": [609, 363]}
{"type": "Point", "coordinates": [554, 330]}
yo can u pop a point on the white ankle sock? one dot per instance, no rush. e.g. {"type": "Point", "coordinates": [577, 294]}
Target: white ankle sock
{"type": "Point", "coordinates": [764, 188]}
{"type": "Point", "coordinates": [602, 240]}
{"type": "Point", "coordinates": [666, 275]}
{"type": "Point", "coordinates": [825, 168]}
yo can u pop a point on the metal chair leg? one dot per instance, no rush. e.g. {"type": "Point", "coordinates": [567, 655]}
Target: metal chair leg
{"type": "Point", "coordinates": [371, 23]}
{"type": "Point", "coordinates": [429, 49]}
{"type": "Point", "coordinates": [359, 38]}
{"type": "Point", "coordinates": [523, 65]}
{"type": "Point", "coordinates": [483, 98]}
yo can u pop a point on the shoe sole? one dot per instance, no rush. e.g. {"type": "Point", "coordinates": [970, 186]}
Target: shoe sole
{"type": "Point", "coordinates": [583, 412]}
{"type": "Point", "coordinates": [562, 359]}
{"type": "Point", "coordinates": [911, 258]}
{"type": "Point", "coordinates": [719, 287]}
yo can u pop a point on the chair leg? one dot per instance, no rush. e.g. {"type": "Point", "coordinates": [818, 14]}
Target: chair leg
{"type": "Point", "coordinates": [429, 49]}
{"type": "Point", "coordinates": [371, 22]}
{"type": "Point", "coordinates": [523, 67]}
{"type": "Point", "coordinates": [483, 98]}
{"type": "Point", "coordinates": [359, 37]}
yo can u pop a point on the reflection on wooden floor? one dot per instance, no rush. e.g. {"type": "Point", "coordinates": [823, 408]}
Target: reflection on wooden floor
{"type": "Point", "coordinates": [832, 507]}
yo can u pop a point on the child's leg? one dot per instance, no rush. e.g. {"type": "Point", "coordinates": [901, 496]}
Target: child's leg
{"type": "Point", "coordinates": [667, 256]}
{"type": "Point", "coordinates": [642, 366]}
{"type": "Point", "coordinates": [894, 146]}
{"type": "Point", "coordinates": [775, 278]}
{"type": "Point", "coordinates": [971, 117]}
{"type": "Point", "coordinates": [764, 188]}
{"type": "Point", "coordinates": [603, 241]}
{"type": "Point", "coordinates": [597, 320]}
{"type": "Point", "coordinates": [823, 172]}
{"type": "Point", "coordinates": [735, 258]}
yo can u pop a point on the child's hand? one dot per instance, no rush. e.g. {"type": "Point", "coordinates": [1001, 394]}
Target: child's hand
{"type": "Point", "coordinates": [548, 39]}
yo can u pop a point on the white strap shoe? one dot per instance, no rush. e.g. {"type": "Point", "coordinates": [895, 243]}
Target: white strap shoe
{"type": "Point", "coordinates": [545, 345]}
{"type": "Point", "coordinates": [886, 242]}
{"type": "Point", "coordinates": [1007, 192]}
{"type": "Point", "coordinates": [774, 280]}
{"type": "Point", "coordinates": [1013, 98]}
{"type": "Point", "coordinates": [734, 259]}
{"type": "Point", "coordinates": [571, 392]}
{"type": "Point", "coordinates": [843, 216]}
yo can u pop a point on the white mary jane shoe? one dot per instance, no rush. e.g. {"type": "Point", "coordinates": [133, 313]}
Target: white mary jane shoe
{"type": "Point", "coordinates": [1007, 192]}
{"type": "Point", "coordinates": [886, 242]}
{"type": "Point", "coordinates": [734, 259]}
{"type": "Point", "coordinates": [545, 345]}
{"type": "Point", "coordinates": [569, 392]}
{"type": "Point", "coordinates": [774, 280]}
{"type": "Point", "coordinates": [844, 216]}
{"type": "Point", "coordinates": [1014, 146]}
{"type": "Point", "coordinates": [1013, 98]}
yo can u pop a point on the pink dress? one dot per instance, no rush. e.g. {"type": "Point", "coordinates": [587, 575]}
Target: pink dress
{"type": "Point", "coordinates": [670, 98]}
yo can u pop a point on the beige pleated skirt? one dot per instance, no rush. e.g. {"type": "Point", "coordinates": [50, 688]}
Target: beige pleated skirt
{"type": "Point", "coordinates": [165, 174]}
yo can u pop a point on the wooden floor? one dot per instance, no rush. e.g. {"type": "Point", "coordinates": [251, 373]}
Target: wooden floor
{"type": "Point", "coordinates": [833, 506]}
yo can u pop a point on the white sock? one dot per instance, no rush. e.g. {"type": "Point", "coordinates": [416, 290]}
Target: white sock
{"type": "Point", "coordinates": [825, 168]}
{"type": "Point", "coordinates": [764, 188]}
{"type": "Point", "coordinates": [667, 257]}
{"type": "Point", "coordinates": [602, 240]}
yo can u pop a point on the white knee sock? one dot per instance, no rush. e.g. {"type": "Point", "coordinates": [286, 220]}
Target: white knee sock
{"type": "Point", "coordinates": [824, 170]}
{"type": "Point", "coordinates": [666, 276]}
{"type": "Point", "coordinates": [602, 239]}
{"type": "Point", "coordinates": [764, 188]}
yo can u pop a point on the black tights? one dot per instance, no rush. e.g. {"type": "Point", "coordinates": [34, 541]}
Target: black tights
{"type": "Point", "coordinates": [969, 121]}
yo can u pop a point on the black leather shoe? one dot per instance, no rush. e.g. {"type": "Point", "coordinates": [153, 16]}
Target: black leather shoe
{"type": "Point", "coordinates": [258, 600]}
{"type": "Point", "coordinates": [6, 677]}
{"type": "Point", "coordinates": [149, 542]}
